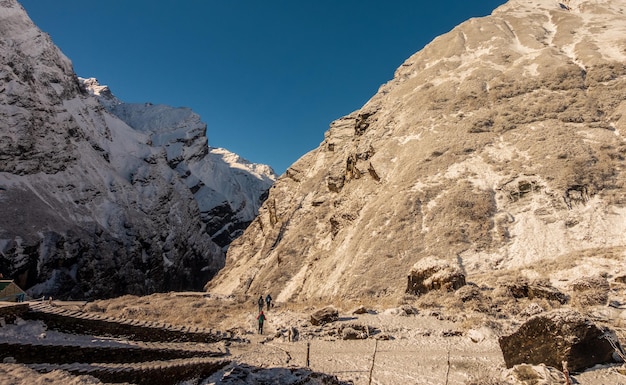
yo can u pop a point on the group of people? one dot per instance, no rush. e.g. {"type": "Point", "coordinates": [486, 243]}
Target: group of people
{"type": "Point", "coordinates": [261, 317]}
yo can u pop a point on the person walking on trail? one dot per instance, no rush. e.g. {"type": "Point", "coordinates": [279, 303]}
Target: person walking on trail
{"type": "Point", "coordinates": [268, 301]}
{"type": "Point", "coordinates": [261, 318]}
{"type": "Point", "coordinates": [260, 303]}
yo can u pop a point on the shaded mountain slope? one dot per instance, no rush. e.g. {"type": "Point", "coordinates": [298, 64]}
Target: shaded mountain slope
{"type": "Point", "coordinates": [91, 207]}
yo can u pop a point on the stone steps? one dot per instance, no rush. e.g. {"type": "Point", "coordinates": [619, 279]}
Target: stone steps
{"type": "Point", "coordinates": [86, 323]}
{"type": "Point", "coordinates": [149, 353]}
{"type": "Point", "coordinates": [148, 373]}
{"type": "Point", "coordinates": [31, 353]}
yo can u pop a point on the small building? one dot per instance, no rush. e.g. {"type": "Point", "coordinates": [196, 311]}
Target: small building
{"type": "Point", "coordinates": [10, 292]}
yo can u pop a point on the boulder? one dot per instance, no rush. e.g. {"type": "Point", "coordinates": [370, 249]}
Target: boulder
{"type": "Point", "coordinates": [554, 337]}
{"type": "Point", "coordinates": [531, 310]}
{"type": "Point", "coordinates": [469, 293]}
{"type": "Point", "coordinates": [323, 316]}
{"type": "Point", "coordinates": [590, 291]}
{"type": "Point", "coordinates": [360, 310]}
{"type": "Point", "coordinates": [534, 374]}
{"type": "Point", "coordinates": [521, 288]}
{"type": "Point", "coordinates": [434, 274]}
{"type": "Point", "coordinates": [352, 334]}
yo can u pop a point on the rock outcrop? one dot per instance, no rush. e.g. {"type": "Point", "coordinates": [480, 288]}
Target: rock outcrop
{"type": "Point", "coordinates": [432, 274]}
{"type": "Point", "coordinates": [499, 146]}
{"type": "Point", "coordinates": [92, 207]}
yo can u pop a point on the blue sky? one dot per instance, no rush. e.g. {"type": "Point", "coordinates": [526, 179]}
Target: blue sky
{"type": "Point", "coordinates": [268, 77]}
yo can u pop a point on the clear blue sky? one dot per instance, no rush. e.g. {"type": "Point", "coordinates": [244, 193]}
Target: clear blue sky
{"type": "Point", "coordinates": [268, 77]}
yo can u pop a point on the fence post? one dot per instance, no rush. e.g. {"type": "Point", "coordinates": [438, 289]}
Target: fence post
{"type": "Point", "coordinates": [373, 361]}
{"type": "Point", "coordinates": [308, 352]}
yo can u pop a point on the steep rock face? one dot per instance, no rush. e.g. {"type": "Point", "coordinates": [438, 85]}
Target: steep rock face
{"type": "Point", "coordinates": [90, 206]}
{"type": "Point", "coordinates": [229, 190]}
{"type": "Point", "coordinates": [498, 147]}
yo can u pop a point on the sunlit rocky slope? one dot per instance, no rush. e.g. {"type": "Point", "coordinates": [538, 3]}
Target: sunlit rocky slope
{"type": "Point", "coordinates": [498, 148]}
{"type": "Point", "coordinates": [100, 198]}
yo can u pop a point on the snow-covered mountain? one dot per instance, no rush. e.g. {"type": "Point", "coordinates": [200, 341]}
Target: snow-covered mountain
{"type": "Point", "coordinates": [499, 148]}
{"type": "Point", "coordinates": [101, 198]}
{"type": "Point", "coordinates": [228, 189]}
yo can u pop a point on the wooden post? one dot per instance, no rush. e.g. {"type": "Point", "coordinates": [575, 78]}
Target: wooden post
{"type": "Point", "coordinates": [308, 352]}
{"type": "Point", "coordinates": [373, 361]}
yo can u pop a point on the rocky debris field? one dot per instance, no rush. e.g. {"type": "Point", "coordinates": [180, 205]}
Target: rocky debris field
{"type": "Point", "coordinates": [306, 344]}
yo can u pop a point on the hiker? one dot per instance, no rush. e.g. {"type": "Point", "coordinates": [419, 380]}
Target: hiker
{"type": "Point", "coordinates": [268, 301]}
{"type": "Point", "coordinates": [260, 303]}
{"type": "Point", "coordinates": [261, 318]}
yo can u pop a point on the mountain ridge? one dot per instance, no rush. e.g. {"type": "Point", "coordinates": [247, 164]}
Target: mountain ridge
{"type": "Point", "coordinates": [94, 208]}
{"type": "Point", "coordinates": [497, 147]}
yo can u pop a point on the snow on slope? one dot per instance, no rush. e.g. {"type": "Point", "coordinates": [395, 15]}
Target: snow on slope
{"type": "Point", "coordinates": [92, 207]}
{"type": "Point", "coordinates": [222, 182]}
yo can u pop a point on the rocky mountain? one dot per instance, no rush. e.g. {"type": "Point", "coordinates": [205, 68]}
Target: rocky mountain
{"type": "Point", "coordinates": [497, 150]}
{"type": "Point", "coordinates": [100, 198]}
{"type": "Point", "coordinates": [228, 189]}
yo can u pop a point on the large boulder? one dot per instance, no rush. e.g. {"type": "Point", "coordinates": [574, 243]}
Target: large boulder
{"type": "Point", "coordinates": [325, 315]}
{"type": "Point", "coordinates": [590, 291]}
{"type": "Point", "coordinates": [434, 274]}
{"type": "Point", "coordinates": [522, 288]}
{"type": "Point", "coordinates": [556, 337]}
{"type": "Point", "coordinates": [355, 331]}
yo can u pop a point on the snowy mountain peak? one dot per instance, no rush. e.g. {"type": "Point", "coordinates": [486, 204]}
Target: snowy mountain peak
{"type": "Point", "coordinates": [102, 92]}
{"type": "Point", "coordinates": [225, 185]}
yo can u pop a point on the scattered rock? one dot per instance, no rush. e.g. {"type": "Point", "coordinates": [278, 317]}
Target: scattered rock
{"type": "Point", "coordinates": [617, 304]}
{"type": "Point", "coordinates": [404, 310]}
{"type": "Point", "coordinates": [352, 334]}
{"type": "Point", "coordinates": [293, 334]}
{"type": "Point", "coordinates": [534, 374]}
{"type": "Point", "coordinates": [469, 293]}
{"type": "Point", "coordinates": [479, 335]}
{"type": "Point", "coordinates": [407, 310]}
{"type": "Point", "coordinates": [384, 337]}
{"type": "Point", "coordinates": [323, 316]}
{"type": "Point", "coordinates": [359, 310]}
{"type": "Point", "coordinates": [434, 274]}
{"type": "Point", "coordinates": [547, 292]}
{"type": "Point", "coordinates": [531, 310]}
{"type": "Point", "coordinates": [247, 374]}
{"type": "Point", "coordinates": [521, 288]}
{"type": "Point", "coordinates": [590, 291]}
{"type": "Point", "coordinates": [557, 336]}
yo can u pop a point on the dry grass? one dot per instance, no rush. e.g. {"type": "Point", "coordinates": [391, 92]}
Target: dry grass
{"type": "Point", "coordinates": [174, 308]}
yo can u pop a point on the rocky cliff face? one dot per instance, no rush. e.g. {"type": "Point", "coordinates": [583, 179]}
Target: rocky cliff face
{"type": "Point", "coordinates": [98, 204]}
{"type": "Point", "coordinates": [228, 189]}
{"type": "Point", "coordinates": [499, 147]}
